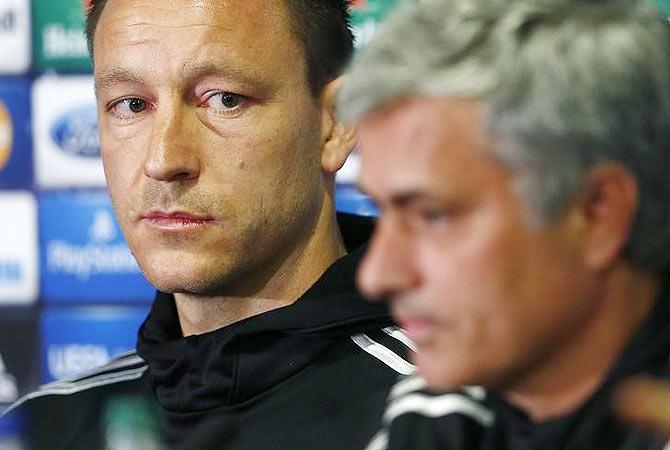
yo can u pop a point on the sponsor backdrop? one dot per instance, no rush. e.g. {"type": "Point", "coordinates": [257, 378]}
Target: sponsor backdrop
{"type": "Point", "coordinates": [71, 295]}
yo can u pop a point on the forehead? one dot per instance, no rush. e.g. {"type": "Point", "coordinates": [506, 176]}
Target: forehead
{"type": "Point", "coordinates": [422, 142]}
{"type": "Point", "coordinates": [185, 31]}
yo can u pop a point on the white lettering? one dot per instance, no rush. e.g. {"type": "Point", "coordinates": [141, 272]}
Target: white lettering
{"type": "Point", "coordinates": [90, 259]}
{"type": "Point", "coordinates": [7, 20]}
{"type": "Point", "coordinates": [10, 271]}
{"type": "Point", "coordinates": [61, 42]}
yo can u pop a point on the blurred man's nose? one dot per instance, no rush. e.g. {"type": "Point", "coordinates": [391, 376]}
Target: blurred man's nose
{"type": "Point", "coordinates": [172, 154]}
{"type": "Point", "coordinates": [388, 267]}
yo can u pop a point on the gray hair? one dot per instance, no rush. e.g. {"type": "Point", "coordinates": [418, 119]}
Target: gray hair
{"type": "Point", "coordinates": [566, 84]}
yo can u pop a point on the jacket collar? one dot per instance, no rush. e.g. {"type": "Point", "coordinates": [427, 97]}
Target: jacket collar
{"type": "Point", "coordinates": [239, 361]}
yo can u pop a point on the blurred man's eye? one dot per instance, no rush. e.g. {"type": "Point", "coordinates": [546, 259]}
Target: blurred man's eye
{"type": "Point", "coordinates": [428, 212]}
{"type": "Point", "coordinates": [431, 215]}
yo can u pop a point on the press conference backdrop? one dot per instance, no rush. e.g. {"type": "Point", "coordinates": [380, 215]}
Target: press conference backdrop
{"type": "Point", "coordinates": [71, 295]}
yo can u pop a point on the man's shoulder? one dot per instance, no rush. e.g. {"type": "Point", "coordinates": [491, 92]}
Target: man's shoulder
{"type": "Point", "coordinates": [120, 373]}
{"type": "Point", "coordinates": [418, 418]}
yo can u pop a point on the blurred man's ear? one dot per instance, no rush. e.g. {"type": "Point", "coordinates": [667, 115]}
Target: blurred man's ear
{"type": "Point", "coordinates": [645, 402]}
{"type": "Point", "coordinates": [338, 140]}
{"type": "Point", "coordinates": [609, 205]}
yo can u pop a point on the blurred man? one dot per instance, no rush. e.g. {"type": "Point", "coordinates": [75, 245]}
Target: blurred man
{"type": "Point", "coordinates": [518, 151]}
{"type": "Point", "coordinates": [220, 150]}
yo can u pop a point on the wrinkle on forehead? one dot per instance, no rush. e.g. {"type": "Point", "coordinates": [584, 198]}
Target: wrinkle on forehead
{"type": "Point", "coordinates": [177, 14]}
{"type": "Point", "coordinates": [128, 25]}
{"type": "Point", "coordinates": [240, 36]}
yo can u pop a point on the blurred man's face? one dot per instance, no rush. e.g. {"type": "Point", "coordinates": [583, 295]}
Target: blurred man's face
{"type": "Point", "coordinates": [488, 298]}
{"type": "Point", "coordinates": [210, 138]}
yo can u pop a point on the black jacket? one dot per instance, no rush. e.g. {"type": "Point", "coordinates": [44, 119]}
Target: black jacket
{"type": "Point", "coordinates": [417, 419]}
{"type": "Point", "coordinates": [313, 375]}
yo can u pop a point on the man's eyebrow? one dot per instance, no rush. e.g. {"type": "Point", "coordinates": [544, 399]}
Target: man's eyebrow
{"type": "Point", "coordinates": [109, 78]}
{"type": "Point", "coordinates": [225, 71]}
{"type": "Point", "coordinates": [402, 198]}
{"type": "Point", "coordinates": [406, 198]}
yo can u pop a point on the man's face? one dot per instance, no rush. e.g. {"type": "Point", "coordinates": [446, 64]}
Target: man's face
{"type": "Point", "coordinates": [210, 138]}
{"type": "Point", "coordinates": [488, 298]}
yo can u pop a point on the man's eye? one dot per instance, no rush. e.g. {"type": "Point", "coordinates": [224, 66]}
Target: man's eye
{"type": "Point", "coordinates": [128, 107]}
{"type": "Point", "coordinates": [225, 101]}
{"type": "Point", "coordinates": [136, 105]}
{"type": "Point", "coordinates": [432, 215]}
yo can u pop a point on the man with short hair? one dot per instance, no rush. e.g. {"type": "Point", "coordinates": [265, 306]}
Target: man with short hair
{"type": "Point", "coordinates": [220, 149]}
{"type": "Point", "coordinates": [518, 151]}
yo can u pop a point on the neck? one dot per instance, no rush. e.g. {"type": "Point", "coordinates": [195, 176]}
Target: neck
{"type": "Point", "coordinates": [581, 364]}
{"type": "Point", "coordinates": [281, 285]}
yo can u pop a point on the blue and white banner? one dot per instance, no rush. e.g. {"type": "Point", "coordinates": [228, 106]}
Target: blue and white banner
{"type": "Point", "coordinates": [16, 154]}
{"type": "Point", "coordinates": [65, 126]}
{"type": "Point", "coordinates": [14, 36]}
{"type": "Point", "coordinates": [84, 257]}
{"type": "Point", "coordinates": [18, 248]}
{"type": "Point", "coordinates": [75, 340]}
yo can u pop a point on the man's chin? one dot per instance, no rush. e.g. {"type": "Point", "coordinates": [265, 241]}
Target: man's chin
{"type": "Point", "coordinates": [438, 382]}
{"type": "Point", "coordinates": [178, 283]}
{"type": "Point", "coordinates": [186, 273]}
{"type": "Point", "coordinates": [441, 376]}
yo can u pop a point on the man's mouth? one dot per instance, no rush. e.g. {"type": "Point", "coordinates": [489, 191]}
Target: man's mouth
{"type": "Point", "coordinates": [175, 220]}
{"type": "Point", "coordinates": [420, 329]}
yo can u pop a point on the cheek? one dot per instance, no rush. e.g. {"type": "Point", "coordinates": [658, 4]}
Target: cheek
{"type": "Point", "coordinates": [476, 287]}
{"type": "Point", "coordinates": [122, 169]}
{"type": "Point", "coordinates": [472, 273]}
{"type": "Point", "coordinates": [122, 156]}
{"type": "Point", "coordinates": [273, 149]}
{"type": "Point", "coordinates": [287, 163]}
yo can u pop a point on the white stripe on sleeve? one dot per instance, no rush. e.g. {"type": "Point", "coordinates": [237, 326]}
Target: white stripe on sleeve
{"type": "Point", "coordinates": [384, 354]}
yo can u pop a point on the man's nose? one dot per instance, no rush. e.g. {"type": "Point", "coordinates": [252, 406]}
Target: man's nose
{"type": "Point", "coordinates": [389, 266]}
{"type": "Point", "coordinates": [173, 148]}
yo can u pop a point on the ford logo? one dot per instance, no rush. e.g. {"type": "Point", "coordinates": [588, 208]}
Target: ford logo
{"type": "Point", "coordinates": [77, 132]}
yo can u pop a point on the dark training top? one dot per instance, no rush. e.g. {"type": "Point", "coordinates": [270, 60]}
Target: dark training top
{"type": "Point", "coordinates": [473, 419]}
{"type": "Point", "coordinates": [313, 375]}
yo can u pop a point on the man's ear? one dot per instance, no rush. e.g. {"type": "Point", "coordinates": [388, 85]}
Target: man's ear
{"type": "Point", "coordinates": [338, 139]}
{"type": "Point", "coordinates": [610, 203]}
